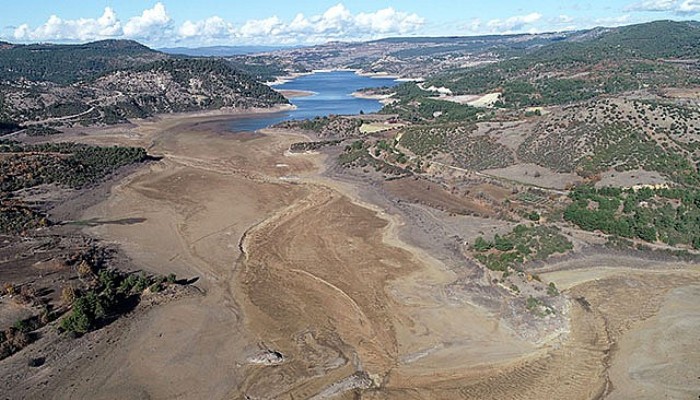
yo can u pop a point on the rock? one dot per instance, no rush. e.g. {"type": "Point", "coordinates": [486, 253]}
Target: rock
{"type": "Point", "coordinates": [267, 357]}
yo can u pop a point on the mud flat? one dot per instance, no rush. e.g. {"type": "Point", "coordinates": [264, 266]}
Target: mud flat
{"type": "Point", "coordinates": [309, 290]}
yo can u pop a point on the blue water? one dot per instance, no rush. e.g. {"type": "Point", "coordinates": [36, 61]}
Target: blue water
{"type": "Point", "coordinates": [333, 96]}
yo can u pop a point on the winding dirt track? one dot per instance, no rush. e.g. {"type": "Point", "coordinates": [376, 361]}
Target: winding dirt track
{"type": "Point", "coordinates": [294, 263]}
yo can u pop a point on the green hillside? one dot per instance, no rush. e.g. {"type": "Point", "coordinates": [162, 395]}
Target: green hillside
{"type": "Point", "coordinates": [587, 65]}
{"type": "Point", "coordinates": [70, 63]}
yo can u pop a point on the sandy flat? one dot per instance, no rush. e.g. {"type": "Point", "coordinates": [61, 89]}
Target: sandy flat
{"type": "Point", "coordinates": [658, 359]}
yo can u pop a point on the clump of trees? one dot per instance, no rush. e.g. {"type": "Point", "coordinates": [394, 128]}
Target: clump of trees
{"type": "Point", "coordinates": [524, 243]}
{"type": "Point", "coordinates": [17, 218]}
{"type": "Point", "coordinates": [70, 164]}
{"type": "Point", "coordinates": [669, 215]}
{"type": "Point", "coordinates": [112, 293]}
{"type": "Point", "coordinates": [464, 150]}
{"type": "Point", "coordinates": [332, 126]}
{"type": "Point", "coordinates": [425, 108]}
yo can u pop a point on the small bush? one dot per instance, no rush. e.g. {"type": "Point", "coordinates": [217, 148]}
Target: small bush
{"type": "Point", "coordinates": [87, 312]}
{"type": "Point", "coordinates": [142, 282]}
{"type": "Point", "coordinates": [22, 326]}
{"type": "Point", "coordinates": [156, 287]}
{"type": "Point", "coordinates": [482, 245]}
{"type": "Point", "coordinates": [503, 244]}
{"type": "Point", "coordinates": [67, 295]}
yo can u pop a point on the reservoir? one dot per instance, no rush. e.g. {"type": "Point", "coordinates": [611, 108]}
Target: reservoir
{"type": "Point", "coordinates": [332, 95]}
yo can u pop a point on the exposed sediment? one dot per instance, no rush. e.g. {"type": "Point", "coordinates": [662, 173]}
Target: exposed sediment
{"type": "Point", "coordinates": [311, 291]}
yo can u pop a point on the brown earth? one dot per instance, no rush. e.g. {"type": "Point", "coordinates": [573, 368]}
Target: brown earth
{"type": "Point", "coordinates": [422, 191]}
{"type": "Point", "coordinates": [309, 293]}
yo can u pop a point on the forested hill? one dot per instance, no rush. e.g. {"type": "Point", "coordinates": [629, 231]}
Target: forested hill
{"type": "Point", "coordinates": [178, 85]}
{"type": "Point", "coordinates": [652, 40]}
{"type": "Point", "coordinates": [601, 61]}
{"type": "Point", "coordinates": [114, 80]}
{"type": "Point", "coordinates": [70, 63]}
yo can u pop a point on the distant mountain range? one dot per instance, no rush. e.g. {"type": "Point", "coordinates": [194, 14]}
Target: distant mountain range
{"type": "Point", "coordinates": [220, 51]}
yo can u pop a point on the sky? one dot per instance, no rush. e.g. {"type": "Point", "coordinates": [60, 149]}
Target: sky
{"type": "Point", "coordinates": [196, 23]}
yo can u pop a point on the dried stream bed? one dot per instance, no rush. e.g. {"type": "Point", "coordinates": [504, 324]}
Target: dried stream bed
{"type": "Point", "coordinates": [309, 278]}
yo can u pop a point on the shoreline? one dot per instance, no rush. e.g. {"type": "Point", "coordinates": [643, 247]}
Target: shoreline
{"type": "Point", "coordinates": [225, 112]}
{"type": "Point", "coordinates": [383, 99]}
{"type": "Point", "coordinates": [281, 80]}
{"type": "Point", "coordinates": [133, 126]}
{"type": "Point", "coordinates": [292, 94]}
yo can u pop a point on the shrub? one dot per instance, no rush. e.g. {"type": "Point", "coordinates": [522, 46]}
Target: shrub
{"type": "Point", "coordinates": [107, 278]}
{"type": "Point", "coordinates": [22, 325]}
{"type": "Point", "coordinates": [87, 312]}
{"type": "Point", "coordinates": [142, 282]}
{"type": "Point", "coordinates": [482, 245]}
{"type": "Point", "coordinates": [127, 284]}
{"type": "Point", "coordinates": [533, 303]}
{"type": "Point", "coordinates": [84, 269]}
{"type": "Point", "coordinates": [156, 287]}
{"type": "Point", "coordinates": [9, 289]}
{"type": "Point", "coordinates": [67, 295]}
{"type": "Point", "coordinates": [503, 244]}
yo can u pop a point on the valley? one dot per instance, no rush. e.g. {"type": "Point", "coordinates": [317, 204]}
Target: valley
{"type": "Point", "coordinates": [518, 222]}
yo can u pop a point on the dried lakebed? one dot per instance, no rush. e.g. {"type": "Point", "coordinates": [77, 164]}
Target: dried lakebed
{"type": "Point", "coordinates": [309, 291]}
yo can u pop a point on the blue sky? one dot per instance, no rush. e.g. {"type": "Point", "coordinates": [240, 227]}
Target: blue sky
{"type": "Point", "coordinates": [275, 22]}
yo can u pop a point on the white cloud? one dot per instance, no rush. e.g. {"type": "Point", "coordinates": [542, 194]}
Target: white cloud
{"type": "Point", "coordinates": [335, 19]}
{"type": "Point", "coordinates": [475, 25]}
{"type": "Point", "coordinates": [155, 26]}
{"type": "Point", "coordinates": [272, 26]}
{"type": "Point", "coordinates": [55, 28]}
{"type": "Point", "coordinates": [515, 23]}
{"type": "Point", "coordinates": [614, 21]}
{"type": "Point", "coordinates": [210, 29]}
{"type": "Point", "coordinates": [389, 20]}
{"type": "Point", "coordinates": [652, 5]}
{"type": "Point", "coordinates": [301, 24]}
{"type": "Point", "coordinates": [337, 22]}
{"type": "Point", "coordinates": [689, 7]}
{"type": "Point", "coordinates": [685, 7]}
{"type": "Point", "coordinates": [152, 23]}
